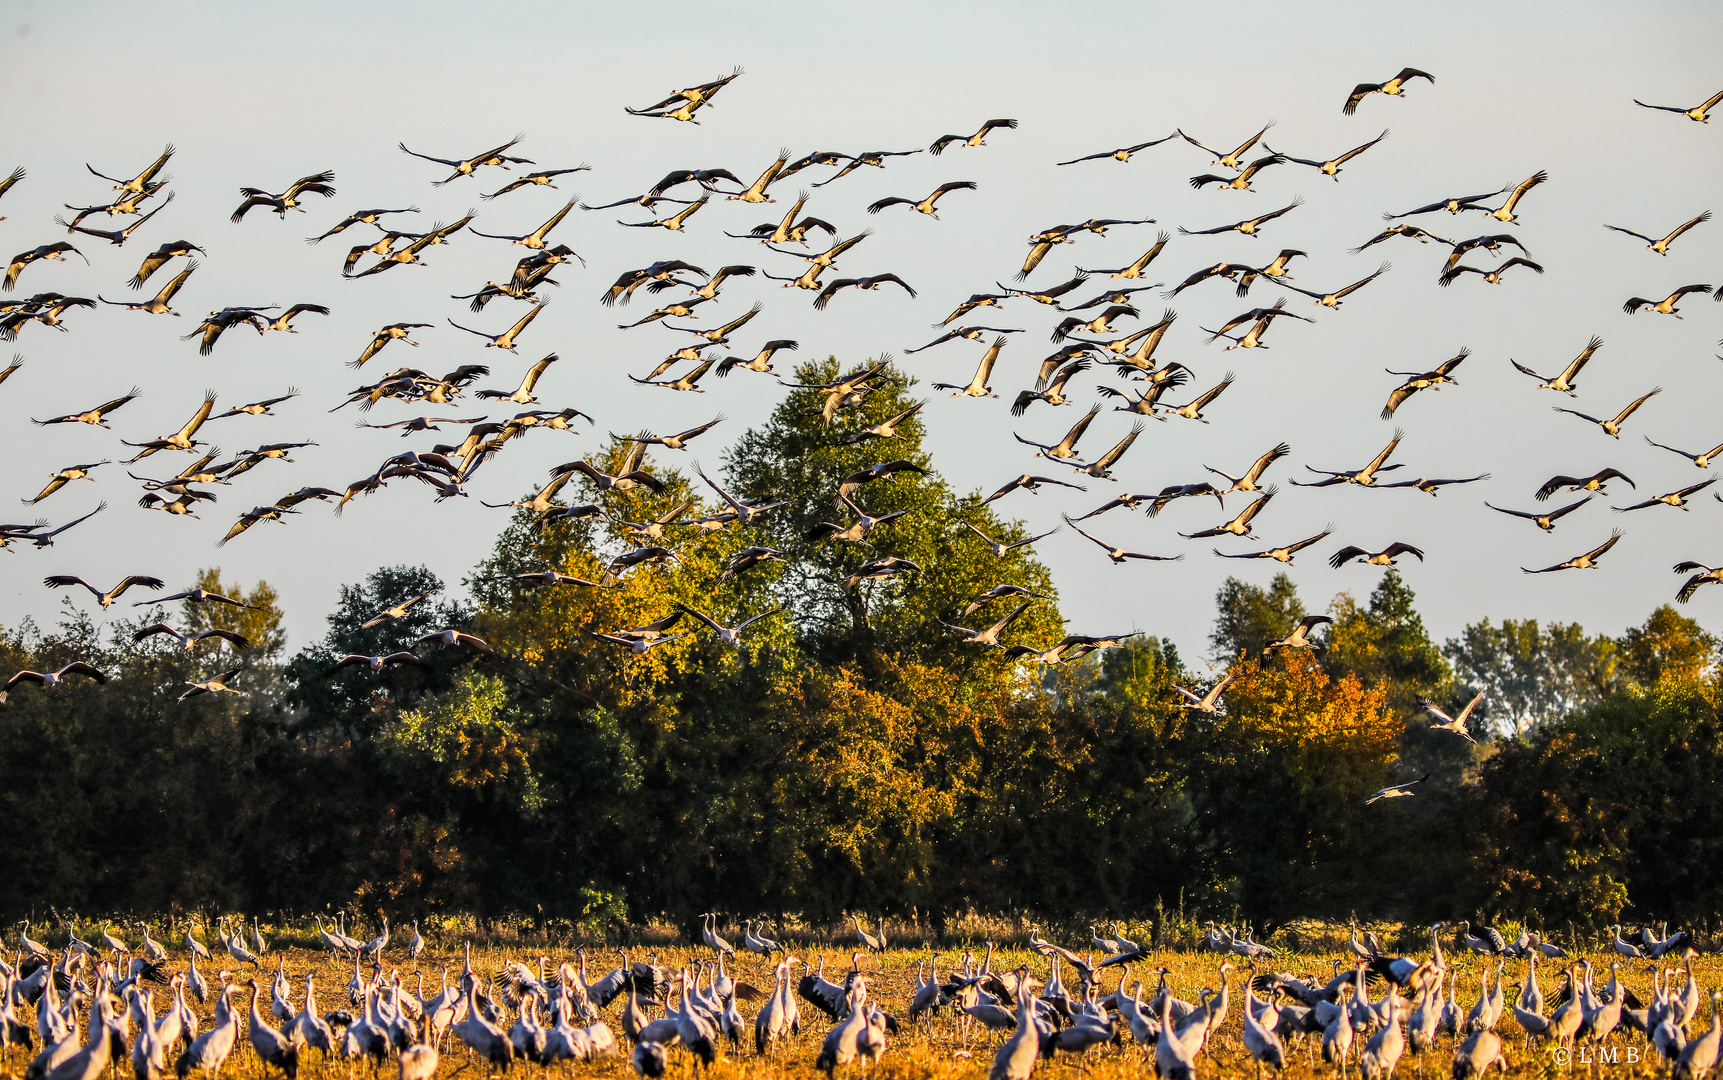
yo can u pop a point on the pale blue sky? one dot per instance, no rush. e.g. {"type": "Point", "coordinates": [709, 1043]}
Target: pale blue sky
{"type": "Point", "coordinates": [259, 95]}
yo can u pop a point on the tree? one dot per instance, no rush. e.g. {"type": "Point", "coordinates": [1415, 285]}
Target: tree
{"type": "Point", "coordinates": [259, 621]}
{"type": "Point", "coordinates": [1249, 617]}
{"type": "Point", "coordinates": [468, 740]}
{"type": "Point", "coordinates": [1386, 643]}
{"type": "Point", "coordinates": [1608, 811]}
{"type": "Point", "coordinates": [1668, 646]}
{"type": "Point", "coordinates": [850, 750]}
{"type": "Point", "coordinates": [551, 630]}
{"type": "Point", "coordinates": [1279, 782]}
{"type": "Point", "coordinates": [354, 699]}
{"type": "Point", "coordinates": [1533, 675]}
{"type": "Point", "coordinates": [798, 458]}
{"type": "Point", "coordinates": [133, 798]}
{"type": "Point", "coordinates": [1075, 807]}
{"type": "Point", "coordinates": [1140, 673]}
{"type": "Point", "coordinates": [699, 773]}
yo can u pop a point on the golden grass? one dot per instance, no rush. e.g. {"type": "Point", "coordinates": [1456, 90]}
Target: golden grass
{"type": "Point", "coordinates": [928, 1050]}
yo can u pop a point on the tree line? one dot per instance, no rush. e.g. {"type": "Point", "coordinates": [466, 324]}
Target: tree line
{"type": "Point", "coordinates": [851, 754]}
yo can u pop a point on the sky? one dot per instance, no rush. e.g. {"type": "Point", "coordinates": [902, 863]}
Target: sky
{"type": "Point", "coordinates": [255, 95]}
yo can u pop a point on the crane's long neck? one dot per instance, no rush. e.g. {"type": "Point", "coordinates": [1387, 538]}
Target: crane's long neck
{"type": "Point", "coordinates": [98, 1033]}
{"type": "Point", "coordinates": [633, 998]}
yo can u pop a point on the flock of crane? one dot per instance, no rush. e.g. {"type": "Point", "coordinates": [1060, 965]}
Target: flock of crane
{"type": "Point", "coordinates": [1090, 335]}
{"type": "Point", "coordinates": [1373, 1009]}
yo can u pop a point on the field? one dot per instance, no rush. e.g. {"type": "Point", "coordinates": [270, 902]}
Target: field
{"type": "Point", "coordinates": [935, 1048]}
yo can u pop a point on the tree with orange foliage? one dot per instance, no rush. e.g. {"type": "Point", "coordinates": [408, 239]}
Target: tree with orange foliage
{"type": "Point", "coordinates": [1279, 781]}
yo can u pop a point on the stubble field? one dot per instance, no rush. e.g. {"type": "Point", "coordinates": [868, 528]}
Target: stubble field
{"type": "Point", "coordinates": [930, 1047]}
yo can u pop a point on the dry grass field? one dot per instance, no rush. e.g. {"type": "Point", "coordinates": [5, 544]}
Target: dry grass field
{"type": "Point", "coordinates": [925, 1049]}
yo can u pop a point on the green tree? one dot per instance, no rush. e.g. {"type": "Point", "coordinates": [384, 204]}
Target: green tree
{"type": "Point", "coordinates": [355, 700]}
{"type": "Point", "coordinates": [259, 621]}
{"type": "Point", "coordinates": [1532, 675]}
{"type": "Point", "coordinates": [1667, 646]}
{"type": "Point", "coordinates": [469, 740]}
{"type": "Point", "coordinates": [1139, 673]}
{"type": "Point", "coordinates": [1249, 617]}
{"type": "Point", "coordinates": [1385, 643]}
{"type": "Point", "coordinates": [700, 773]}
{"type": "Point", "coordinates": [551, 630]}
{"type": "Point", "coordinates": [1075, 807]}
{"type": "Point", "coordinates": [1608, 812]}
{"type": "Point", "coordinates": [850, 751]}
{"type": "Point", "coordinates": [798, 458]}
{"type": "Point", "coordinates": [133, 798]}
